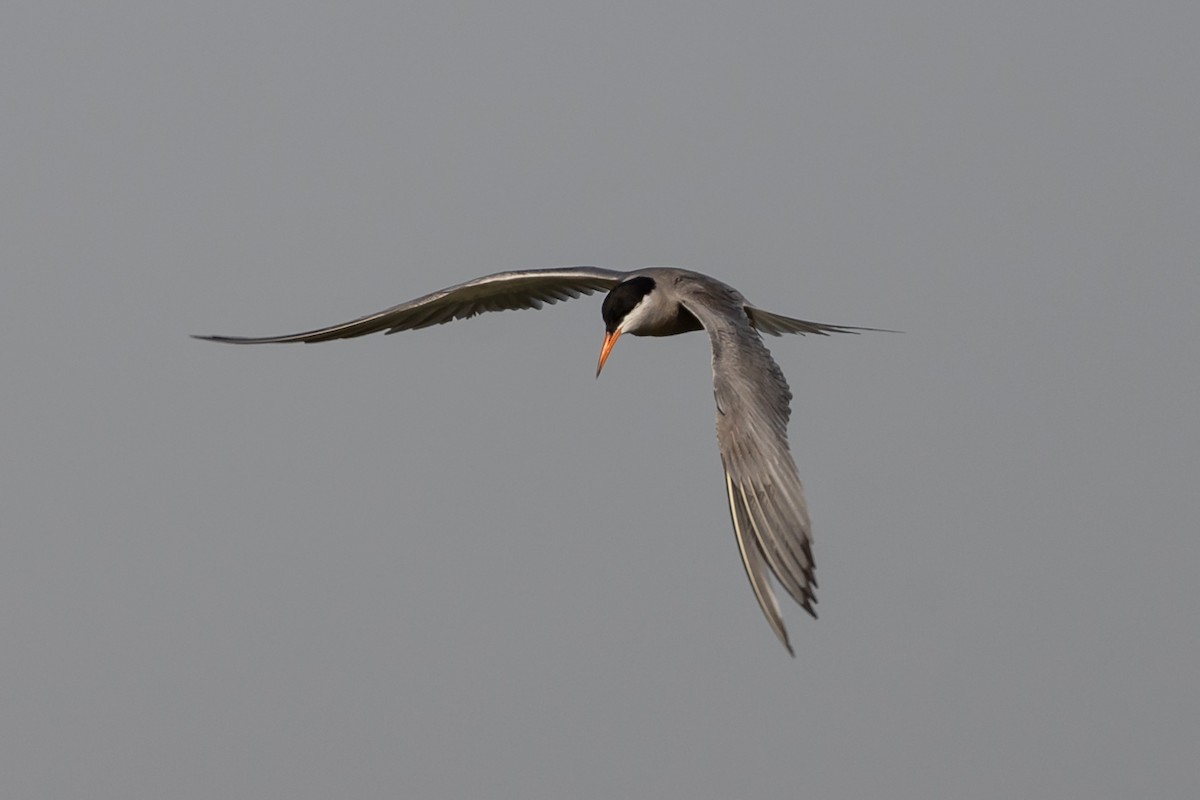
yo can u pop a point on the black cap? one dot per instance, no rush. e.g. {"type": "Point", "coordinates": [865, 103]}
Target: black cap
{"type": "Point", "coordinates": [623, 298]}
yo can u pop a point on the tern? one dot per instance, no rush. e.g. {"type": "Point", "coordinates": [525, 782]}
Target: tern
{"type": "Point", "coordinates": [766, 497]}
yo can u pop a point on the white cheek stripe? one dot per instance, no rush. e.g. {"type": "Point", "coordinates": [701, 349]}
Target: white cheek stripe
{"type": "Point", "coordinates": [642, 313]}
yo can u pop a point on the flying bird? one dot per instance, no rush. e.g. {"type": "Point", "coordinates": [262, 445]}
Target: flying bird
{"type": "Point", "coordinates": [766, 498]}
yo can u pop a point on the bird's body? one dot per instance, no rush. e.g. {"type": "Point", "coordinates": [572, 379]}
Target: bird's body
{"type": "Point", "coordinates": [766, 498]}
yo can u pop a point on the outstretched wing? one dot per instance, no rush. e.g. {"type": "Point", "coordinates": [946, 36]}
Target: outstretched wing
{"type": "Point", "coordinates": [766, 498]}
{"type": "Point", "coordinates": [500, 292]}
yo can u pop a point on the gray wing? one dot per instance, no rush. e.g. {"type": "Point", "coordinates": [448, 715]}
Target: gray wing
{"type": "Point", "coordinates": [500, 292]}
{"type": "Point", "coordinates": [766, 498]}
{"type": "Point", "coordinates": [777, 325]}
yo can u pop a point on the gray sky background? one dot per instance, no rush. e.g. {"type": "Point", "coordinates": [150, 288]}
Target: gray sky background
{"type": "Point", "coordinates": [451, 563]}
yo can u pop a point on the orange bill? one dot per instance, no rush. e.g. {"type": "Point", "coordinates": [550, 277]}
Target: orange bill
{"type": "Point", "coordinates": [609, 340]}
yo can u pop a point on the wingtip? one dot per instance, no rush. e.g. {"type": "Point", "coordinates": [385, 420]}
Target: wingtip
{"type": "Point", "coordinates": [221, 339]}
{"type": "Point", "coordinates": [230, 339]}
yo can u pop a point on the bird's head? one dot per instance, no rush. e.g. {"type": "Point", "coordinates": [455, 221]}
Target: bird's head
{"type": "Point", "coordinates": [625, 310]}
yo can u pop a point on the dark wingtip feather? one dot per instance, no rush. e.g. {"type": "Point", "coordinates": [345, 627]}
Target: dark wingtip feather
{"type": "Point", "coordinates": [221, 339]}
{"type": "Point", "coordinates": [238, 339]}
